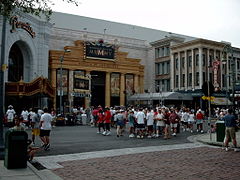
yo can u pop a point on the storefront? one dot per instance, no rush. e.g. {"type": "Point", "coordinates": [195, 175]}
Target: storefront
{"type": "Point", "coordinates": [92, 74]}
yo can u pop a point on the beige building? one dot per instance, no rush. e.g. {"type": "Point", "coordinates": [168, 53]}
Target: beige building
{"type": "Point", "coordinates": [185, 66]}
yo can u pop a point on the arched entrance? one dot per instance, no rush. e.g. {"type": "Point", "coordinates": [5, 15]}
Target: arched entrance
{"type": "Point", "coordinates": [15, 64]}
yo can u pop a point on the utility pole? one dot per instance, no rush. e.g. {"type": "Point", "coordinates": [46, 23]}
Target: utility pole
{"type": "Point", "coordinates": [2, 89]}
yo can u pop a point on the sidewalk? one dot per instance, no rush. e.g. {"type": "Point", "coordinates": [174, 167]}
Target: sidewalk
{"type": "Point", "coordinates": [212, 139]}
{"type": "Point", "coordinates": [31, 173]}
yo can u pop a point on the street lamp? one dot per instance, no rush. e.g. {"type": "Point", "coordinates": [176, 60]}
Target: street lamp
{"type": "Point", "coordinates": [228, 49]}
{"type": "Point", "coordinates": [61, 79]}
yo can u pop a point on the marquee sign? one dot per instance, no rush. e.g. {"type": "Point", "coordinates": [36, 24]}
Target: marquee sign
{"type": "Point", "coordinates": [81, 83]}
{"type": "Point", "coordinates": [18, 24]}
{"type": "Point", "coordinates": [216, 64]}
{"type": "Point", "coordinates": [99, 50]}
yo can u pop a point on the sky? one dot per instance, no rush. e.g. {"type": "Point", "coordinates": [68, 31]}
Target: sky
{"type": "Point", "coordinates": [217, 20]}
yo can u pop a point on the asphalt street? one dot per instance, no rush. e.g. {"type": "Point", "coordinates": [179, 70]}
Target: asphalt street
{"type": "Point", "coordinates": [78, 139]}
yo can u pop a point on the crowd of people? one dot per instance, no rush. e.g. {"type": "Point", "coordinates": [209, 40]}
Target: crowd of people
{"type": "Point", "coordinates": [40, 123]}
{"type": "Point", "coordinates": [135, 122]}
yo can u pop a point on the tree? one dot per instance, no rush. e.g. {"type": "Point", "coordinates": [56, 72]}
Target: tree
{"type": "Point", "coordinates": [35, 7]}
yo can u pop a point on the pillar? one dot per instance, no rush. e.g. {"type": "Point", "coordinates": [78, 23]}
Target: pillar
{"type": "Point", "coordinates": [200, 67]}
{"type": "Point", "coordinates": [54, 83]}
{"type": "Point", "coordinates": [193, 72]}
{"type": "Point", "coordinates": [172, 77]}
{"type": "Point", "coordinates": [122, 89]}
{"type": "Point", "coordinates": [107, 90]}
{"type": "Point", "coordinates": [179, 71]}
{"type": "Point", "coordinates": [87, 100]}
{"type": "Point", "coordinates": [186, 71]}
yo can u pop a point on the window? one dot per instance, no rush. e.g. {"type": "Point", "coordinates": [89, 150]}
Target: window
{"type": "Point", "coordinates": [190, 79]}
{"type": "Point", "coordinates": [203, 60]}
{"type": "Point", "coordinates": [197, 60]}
{"type": "Point", "coordinates": [204, 76]}
{"type": "Point", "coordinates": [163, 68]}
{"type": "Point", "coordinates": [176, 81]}
{"type": "Point", "coordinates": [168, 67]}
{"type": "Point", "coordinates": [189, 61]}
{"type": "Point", "coordinates": [183, 62]}
{"type": "Point", "coordinates": [183, 80]}
{"type": "Point", "coordinates": [157, 69]}
{"type": "Point", "coordinates": [168, 51]}
{"type": "Point", "coordinates": [197, 78]}
{"type": "Point", "coordinates": [176, 61]}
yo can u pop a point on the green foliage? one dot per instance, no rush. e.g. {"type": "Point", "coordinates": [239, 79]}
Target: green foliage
{"type": "Point", "coordinates": [35, 7]}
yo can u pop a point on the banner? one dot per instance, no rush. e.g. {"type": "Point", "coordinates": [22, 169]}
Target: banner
{"type": "Point", "coordinates": [129, 84]}
{"type": "Point", "coordinates": [115, 84]}
{"type": "Point", "coordinates": [63, 80]}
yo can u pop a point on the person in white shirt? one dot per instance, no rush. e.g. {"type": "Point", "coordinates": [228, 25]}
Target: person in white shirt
{"type": "Point", "coordinates": [184, 120]}
{"type": "Point", "coordinates": [140, 116]}
{"type": "Point", "coordinates": [24, 115]}
{"type": "Point", "coordinates": [160, 123]}
{"type": "Point", "coordinates": [150, 116]}
{"type": "Point", "coordinates": [45, 128]}
{"type": "Point", "coordinates": [10, 116]}
{"type": "Point", "coordinates": [191, 120]}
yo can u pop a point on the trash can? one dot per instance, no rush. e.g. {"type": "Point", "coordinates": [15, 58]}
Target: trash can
{"type": "Point", "coordinates": [220, 131]}
{"type": "Point", "coordinates": [15, 149]}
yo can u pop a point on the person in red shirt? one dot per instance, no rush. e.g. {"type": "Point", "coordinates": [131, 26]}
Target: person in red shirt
{"type": "Point", "coordinates": [107, 121]}
{"type": "Point", "coordinates": [167, 124]}
{"type": "Point", "coordinates": [199, 121]}
{"type": "Point", "coordinates": [100, 121]}
{"type": "Point", "coordinates": [174, 119]}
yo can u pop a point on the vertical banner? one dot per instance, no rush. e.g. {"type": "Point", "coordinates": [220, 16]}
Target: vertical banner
{"type": "Point", "coordinates": [64, 81]}
{"type": "Point", "coordinates": [129, 83]}
{"type": "Point", "coordinates": [216, 78]}
{"type": "Point", "coordinates": [115, 84]}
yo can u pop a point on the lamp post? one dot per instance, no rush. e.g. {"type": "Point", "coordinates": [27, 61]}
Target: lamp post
{"type": "Point", "coordinates": [2, 86]}
{"type": "Point", "coordinates": [228, 49]}
{"type": "Point", "coordinates": [61, 79]}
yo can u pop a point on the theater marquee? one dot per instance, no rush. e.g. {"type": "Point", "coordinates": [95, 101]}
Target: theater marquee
{"type": "Point", "coordinates": [99, 50]}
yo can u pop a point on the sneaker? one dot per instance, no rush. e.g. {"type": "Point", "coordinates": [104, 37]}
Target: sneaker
{"type": "Point", "coordinates": [184, 130]}
{"type": "Point", "coordinates": [149, 136]}
{"type": "Point", "coordinates": [197, 130]}
{"type": "Point", "coordinates": [174, 134]}
{"type": "Point", "coordinates": [117, 135]}
{"type": "Point", "coordinates": [226, 149]}
{"type": "Point", "coordinates": [104, 133]}
{"type": "Point", "coordinates": [108, 133]}
{"type": "Point", "coordinates": [138, 136]}
{"type": "Point", "coordinates": [141, 137]}
{"type": "Point", "coordinates": [201, 131]}
{"type": "Point", "coordinates": [237, 149]}
{"type": "Point", "coordinates": [191, 131]}
{"type": "Point", "coordinates": [131, 135]}
{"type": "Point", "coordinates": [47, 147]}
{"type": "Point", "coordinates": [43, 145]}
{"type": "Point", "coordinates": [98, 132]}
{"type": "Point", "coordinates": [157, 135]}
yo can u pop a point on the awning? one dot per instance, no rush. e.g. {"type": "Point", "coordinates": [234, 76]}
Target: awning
{"type": "Point", "coordinates": [162, 96]}
{"type": "Point", "coordinates": [221, 101]}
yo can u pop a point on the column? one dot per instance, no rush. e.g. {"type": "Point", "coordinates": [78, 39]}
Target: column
{"type": "Point", "coordinates": [136, 83]}
{"type": "Point", "coordinates": [122, 89]}
{"type": "Point", "coordinates": [179, 71]}
{"type": "Point", "coordinates": [54, 83]}
{"type": "Point", "coordinates": [193, 72]}
{"type": "Point", "coordinates": [186, 70]}
{"type": "Point", "coordinates": [200, 67]}
{"type": "Point", "coordinates": [228, 78]}
{"type": "Point", "coordinates": [70, 86]}
{"type": "Point", "coordinates": [107, 90]}
{"type": "Point", "coordinates": [87, 100]}
{"type": "Point", "coordinates": [172, 75]}
{"type": "Point", "coordinates": [221, 71]}
{"type": "Point", "coordinates": [141, 84]}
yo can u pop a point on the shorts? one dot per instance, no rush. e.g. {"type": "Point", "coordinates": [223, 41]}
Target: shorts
{"type": "Point", "coordinates": [230, 132]}
{"type": "Point", "coordinates": [174, 125]}
{"type": "Point", "coordinates": [199, 121]}
{"type": "Point", "coordinates": [150, 128]}
{"type": "Point", "coordinates": [35, 131]}
{"type": "Point", "coordinates": [44, 132]}
{"type": "Point", "coordinates": [120, 123]}
{"type": "Point", "coordinates": [141, 126]}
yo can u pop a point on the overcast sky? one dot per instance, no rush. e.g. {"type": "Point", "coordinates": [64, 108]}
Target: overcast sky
{"type": "Point", "coordinates": [217, 20]}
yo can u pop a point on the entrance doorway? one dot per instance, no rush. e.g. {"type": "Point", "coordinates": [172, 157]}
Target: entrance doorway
{"type": "Point", "coordinates": [98, 88]}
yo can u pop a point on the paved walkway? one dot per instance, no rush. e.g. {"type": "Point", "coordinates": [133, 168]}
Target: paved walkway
{"type": "Point", "coordinates": [183, 161]}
